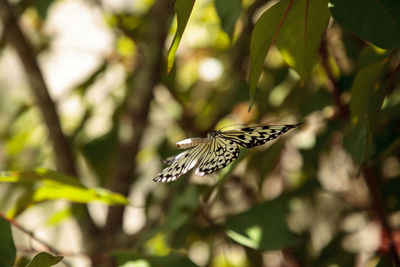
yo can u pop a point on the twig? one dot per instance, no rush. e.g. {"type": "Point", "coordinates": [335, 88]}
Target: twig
{"type": "Point", "coordinates": [334, 87]}
{"type": "Point", "coordinates": [46, 245]}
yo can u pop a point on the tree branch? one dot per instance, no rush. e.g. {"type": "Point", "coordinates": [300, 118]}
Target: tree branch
{"type": "Point", "coordinates": [372, 180]}
{"type": "Point", "coordinates": [64, 157]}
{"type": "Point", "coordinates": [333, 86]}
{"type": "Point", "coordinates": [62, 150]}
{"type": "Point", "coordinates": [137, 108]}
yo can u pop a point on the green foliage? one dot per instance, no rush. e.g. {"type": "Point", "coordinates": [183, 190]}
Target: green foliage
{"type": "Point", "coordinates": [44, 259]}
{"type": "Point", "coordinates": [183, 8]}
{"type": "Point", "coordinates": [262, 38]}
{"type": "Point", "coordinates": [121, 98]}
{"type": "Point", "coordinates": [7, 247]}
{"type": "Point", "coordinates": [228, 12]}
{"type": "Point", "coordinates": [299, 37]}
{"type": "Point", "coordinates": [377, 22]}
{"type": "Point", "coordinates": [42, 185]}
{"type": "Point", "coordinates": [262, 227]}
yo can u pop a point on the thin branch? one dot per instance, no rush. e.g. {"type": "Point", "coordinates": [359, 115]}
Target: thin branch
{"type": "Point", "coordinates": [372, 180]}
{"type": "Point", "coordinates": [333, 86]}
{"type": "Point", "coordinates": [46, 245]}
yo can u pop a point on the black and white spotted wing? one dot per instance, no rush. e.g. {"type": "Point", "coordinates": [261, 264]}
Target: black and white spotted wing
{"type": "Point", "coordinates": [221, 153]}
{"type": "Point", "coordinates": [255, 136]}
{"type": "Point", "coordinates": [182, 163]}
{"type": "Point", "coordinates": [218, 150]}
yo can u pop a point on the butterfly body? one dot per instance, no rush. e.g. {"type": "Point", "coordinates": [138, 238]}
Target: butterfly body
{"type": "Point", "coordinates": [218, 150]}
{"type": "Point", "coordinates": [191, 142]}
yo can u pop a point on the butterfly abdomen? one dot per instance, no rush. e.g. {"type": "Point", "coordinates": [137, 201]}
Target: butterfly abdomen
{"type": "Point", "coordinates": [191, 142]}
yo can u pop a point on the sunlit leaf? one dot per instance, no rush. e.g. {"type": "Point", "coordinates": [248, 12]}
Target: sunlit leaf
{"type": "Point", "coordinates": [51, 185]}
{"type": "Point", "coordinates": [44, 259]}
{"type": "Point", "coordinates": [375, 21]}
{"type": "Point", "coordinates": [7, 247]}
{"type": "Point", "coordinates": [262, 38]}
{"type": "Point", "coordinates": [262, 227]}
{"type": "Point", "coordinates": [59, 216]}
{"type": "Point", "coordinates": [228, 12]}
{"type": "Point", "coordinates": [299, 38]}
{"type": "Point", "coordinates": [183, 9]}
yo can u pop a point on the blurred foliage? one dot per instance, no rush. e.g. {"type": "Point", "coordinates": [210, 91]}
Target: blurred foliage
{"type": "Point", "coordinates": [326, 194]}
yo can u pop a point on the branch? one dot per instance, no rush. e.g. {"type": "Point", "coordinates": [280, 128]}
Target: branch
{"type": "Point", "coordinates": [140, 94]}
{"type": "Point", "coordinates": [46, 245]}
{"type": "Point", "coordinates": [62, 149]}
{"type": "Point", "coordinates": [333, 86]}
{"type": "Point", "coordinates": [372, 180]}
{"type": "Point", "coordinates": [13, 33]}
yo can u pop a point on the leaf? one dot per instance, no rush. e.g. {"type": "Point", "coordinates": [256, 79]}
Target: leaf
{"type": "Point", "coordinates": [262, 38]}
{"type": "Point", "coordinates": [300, 35]}
{"type": "Point", "coordinates": [51, 185]}
{"type": "Point", "coordinates": [376, 21]}
{"type": "Point", "coordinates": [98, 153]}
{"type": "Point", "coordinates": [42, 6]}
{"type": "Point", "coordinates": [57, 217]}
{"type": "Point", "coordinates": [180, 212]}
{"type": "Point", "coordinates": [173, 259]}
{"type": "Point", "coordinates": [44, 259]}
{"type": "Point", "coordinates": [183, 9]}
{"type": "Point", "coordinates": [7, 247]}
{"type": "Point", "coordinates": [334, 255]}
{"type": "Point", "coordinates": [355, 141]}
{"type": "Point", "coordinates": [228, 12]}
{"type": "Point", "coordinates": [364, 85]}
{"type": "Point", "coordinates": [262, 227]}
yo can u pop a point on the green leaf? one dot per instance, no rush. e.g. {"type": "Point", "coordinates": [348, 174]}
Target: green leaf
{"type": "Point", "coordinates": [57, 217]}
{"type": "Point", "coordinates": [355, 141]}
{"type": "Point", "coordinates": [377, 22]}
{"type": "Point", "coordinates": [183, 9]}
{"type": "Point", "coordinates": [50, 185]}
{"type": "Point", "coordinates": [301, 33]}
{"type": "Point", "coordinates": [98, 153]}
{"type": "Point", "coordinates": [364, 85]}
{"type": "Point", "coordinates": [262, 227]}
{"type": "Point", "coordinates": [44, 259]}
{"type": "Point", "coordinates": [132, 259]}
{"type": "Point", "coordinates": [7, 247]}
{"type": "Point", "coordinates": [262, 37]}
{"type": "Point", "coordinates": [42, 6]}
{"type": "Point", "coordinates": [334, 255]}
{"type": "Point", "coordinates": [228, 12]}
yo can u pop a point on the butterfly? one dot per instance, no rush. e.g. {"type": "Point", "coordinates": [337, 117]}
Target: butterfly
{"type": "Point", "coordinates": [218, 150]}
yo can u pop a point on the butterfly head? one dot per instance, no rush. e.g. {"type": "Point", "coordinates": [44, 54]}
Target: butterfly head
{"type": "Point", "coordinates": [212, 134]}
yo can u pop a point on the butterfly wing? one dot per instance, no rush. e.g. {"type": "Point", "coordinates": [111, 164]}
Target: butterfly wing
{"type": "Point", "coordinates": [221, 153]}
{"type": "Point", "coordinates": [258, 135]}
{"type": "Point", "coordinates": [181, 164]}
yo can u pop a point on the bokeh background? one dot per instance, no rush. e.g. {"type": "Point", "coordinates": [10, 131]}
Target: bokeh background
{"type": "Point", "coordinates": [89, 110]}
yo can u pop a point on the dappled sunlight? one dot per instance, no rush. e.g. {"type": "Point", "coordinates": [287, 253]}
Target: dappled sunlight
{"type": "Point", "coordinates": [99, 99]}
